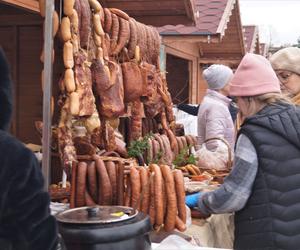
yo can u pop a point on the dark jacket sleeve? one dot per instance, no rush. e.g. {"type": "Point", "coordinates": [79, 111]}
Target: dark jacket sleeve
{"type": "Point", "coordinates": [29, 204]}
{"type": "Point", "coordinates": [5, 93]}
{"type": "Point", "coordinates": [190, 109]}
{"type": "Point", "coordinates": [233, 109]}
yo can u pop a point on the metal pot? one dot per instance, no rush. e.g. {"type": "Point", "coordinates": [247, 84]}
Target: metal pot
{"type": "Point", "coordinates": [105, 228]}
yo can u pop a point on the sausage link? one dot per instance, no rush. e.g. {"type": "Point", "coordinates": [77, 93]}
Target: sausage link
{"type": "Point", "coordinates": [152, 211]}
{"type": "Point", "coordinates": [128, 192]}
{"type": "Point", "coordinates": [120, 184]}
{"type": "Point", "coordinates": [149, 151]}
{"type": "Point", "coordinates": [183, 139]}
{"type": "Point", "coordinates": [180, 144]}
{"type": "Point", "coordinates": [156, 149]}
{"type": "Point", "coordinates": [89, 200]}
{"type": "Point", "coordinates": [190, 141]}
{"type": "Point", "coordinates": [173, 141]}
{"type": "Point", "coordinates": [112, 173]}
{"type": "Point", "coordinates": [169, 156]}
{"type": "Point", "coordinates": [105, 191]}
{"type": "Point", "coordinates": [196, 169]}
{"type": "Point", "coordinates": [107, 20]}
{"type": "Point", "coordinates": [145, 184]}
{"type": "Point", "coordinates": [135, 187]}
{"type": "Point", "coordinates": [180, 194]}
{"type": "Point", "coordinates": [158, 182]}
{"type": "Point", "coordinates": [180, 225]}
{"type": "Point", "coordinates": [92, 180]}
{"type": "Point", "coordinates": [81, 183]}
{"type": "Point", "coordinates": [170, 217]}
{"type": "Point", "coordinates": [73, 185]}
{"type": "Point", "coordinates": [191, 170]}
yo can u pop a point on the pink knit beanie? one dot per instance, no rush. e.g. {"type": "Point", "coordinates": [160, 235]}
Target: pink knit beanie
{"type": "Point", "coordinates": [254, 76]}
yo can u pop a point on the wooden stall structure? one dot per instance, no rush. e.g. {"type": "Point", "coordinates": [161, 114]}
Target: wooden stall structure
{"type": "Point", "coordinates": [251, 35]}
{"type": "Point", "coordinates": [146, 11]}
{"type": "Point", "coordinates": [156, 13]}
{"type": "Point", "coordinates": [21, 29]}
{"type": "Point", "coordinates": [217, 37]}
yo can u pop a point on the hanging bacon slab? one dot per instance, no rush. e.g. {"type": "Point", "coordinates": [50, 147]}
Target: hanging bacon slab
{"type": "Point", "coordinates": [83, 80]}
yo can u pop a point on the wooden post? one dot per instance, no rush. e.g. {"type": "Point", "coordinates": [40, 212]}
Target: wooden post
{"type": "Point", "coordinates": [48, 46]}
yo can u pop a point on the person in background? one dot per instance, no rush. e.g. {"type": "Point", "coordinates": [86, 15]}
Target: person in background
{"type": "Point", "coordinates": [263, 188]}
{"type": "Point", "coordinates": [188, 108]}
{"type": "Point", "coordinates": [193, 110]}
{"type": "Point", "coordinates": [214, 119]}
{"type": "Point", "coordinates": [286, 63]}
{"type": "Point", "coordinates": [25, 220]}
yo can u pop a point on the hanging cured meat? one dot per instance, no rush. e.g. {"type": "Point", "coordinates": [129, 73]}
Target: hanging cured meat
{"type": "Point", "coordinates": [112, 99]}
{"type": "Point", "coordinates": [85, 23]}
{"type": "Point", "coordinates": [133, 81]}
{"type": "Point", "coordinates": [100, 76]}
{"type": "Point", "coordinates": [83, 80]}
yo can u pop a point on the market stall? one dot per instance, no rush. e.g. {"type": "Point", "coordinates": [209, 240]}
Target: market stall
{"type": "Point", "coordinates": [116, 133]}
{"type": "Point", "coordinates": [110, 124]}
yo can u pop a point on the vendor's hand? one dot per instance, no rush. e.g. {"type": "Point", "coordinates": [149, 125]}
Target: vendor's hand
{"type": "Point", "coordinates": [192, 199]}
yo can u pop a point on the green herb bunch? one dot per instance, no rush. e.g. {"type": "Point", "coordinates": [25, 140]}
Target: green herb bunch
{"type": "Point", "coordinates": [138, 147]}
{"type": "Point", "coordinates": [184, 157]}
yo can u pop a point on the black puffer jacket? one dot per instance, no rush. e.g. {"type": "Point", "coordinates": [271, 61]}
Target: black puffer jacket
{"type": "Point", "coordinates": [271, 218]}
{"type": "Point", "coordinates": [25, 220]}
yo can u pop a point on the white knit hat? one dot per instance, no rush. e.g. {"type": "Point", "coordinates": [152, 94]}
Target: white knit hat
{"type": "Point", "coordinates": [217, 76]}
{"type": "Point", "coordinates": [287, 59]}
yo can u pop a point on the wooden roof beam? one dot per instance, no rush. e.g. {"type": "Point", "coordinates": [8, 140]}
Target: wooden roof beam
{"type": "Point", "coordinates": [31, 5]}
{"type": "Point", "coordinates": [190, 9]}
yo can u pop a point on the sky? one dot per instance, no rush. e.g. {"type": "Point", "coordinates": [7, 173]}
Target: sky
{"type": "Point", "coordinates": [278, 20]}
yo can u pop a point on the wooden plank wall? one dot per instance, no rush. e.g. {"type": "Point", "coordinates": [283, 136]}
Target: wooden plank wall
{"type": "Point", "coordinates": [21, 39]}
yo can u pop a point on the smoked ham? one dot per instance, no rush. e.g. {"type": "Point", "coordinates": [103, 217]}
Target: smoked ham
{"type": "Point", "coordinates": [101, 79]}
{"type": "Point", "coordinates": [112, 99]}
{"type": "Point", "coordinates": [133, 81]}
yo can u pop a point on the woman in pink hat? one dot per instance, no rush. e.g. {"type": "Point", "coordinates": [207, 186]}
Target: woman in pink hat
{"type": "Point", "coordinates": [263, 188]}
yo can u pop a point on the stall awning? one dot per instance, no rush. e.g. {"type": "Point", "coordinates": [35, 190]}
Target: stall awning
{"type": "Point", "coordinates": [156, 12]}
{"type": "Point", "coordinates": [153, 12]}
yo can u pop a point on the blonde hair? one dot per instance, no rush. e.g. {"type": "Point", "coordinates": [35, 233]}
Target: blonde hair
{"type": "Point", "coordinates": [256, 103]}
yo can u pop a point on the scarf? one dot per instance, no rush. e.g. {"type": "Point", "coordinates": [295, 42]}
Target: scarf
{"type": "Point", "coordinates": [296, 99]}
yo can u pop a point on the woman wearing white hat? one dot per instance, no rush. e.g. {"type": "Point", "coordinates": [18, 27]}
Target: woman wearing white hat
{"type": "Point", "coordinates": [214, 119]}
